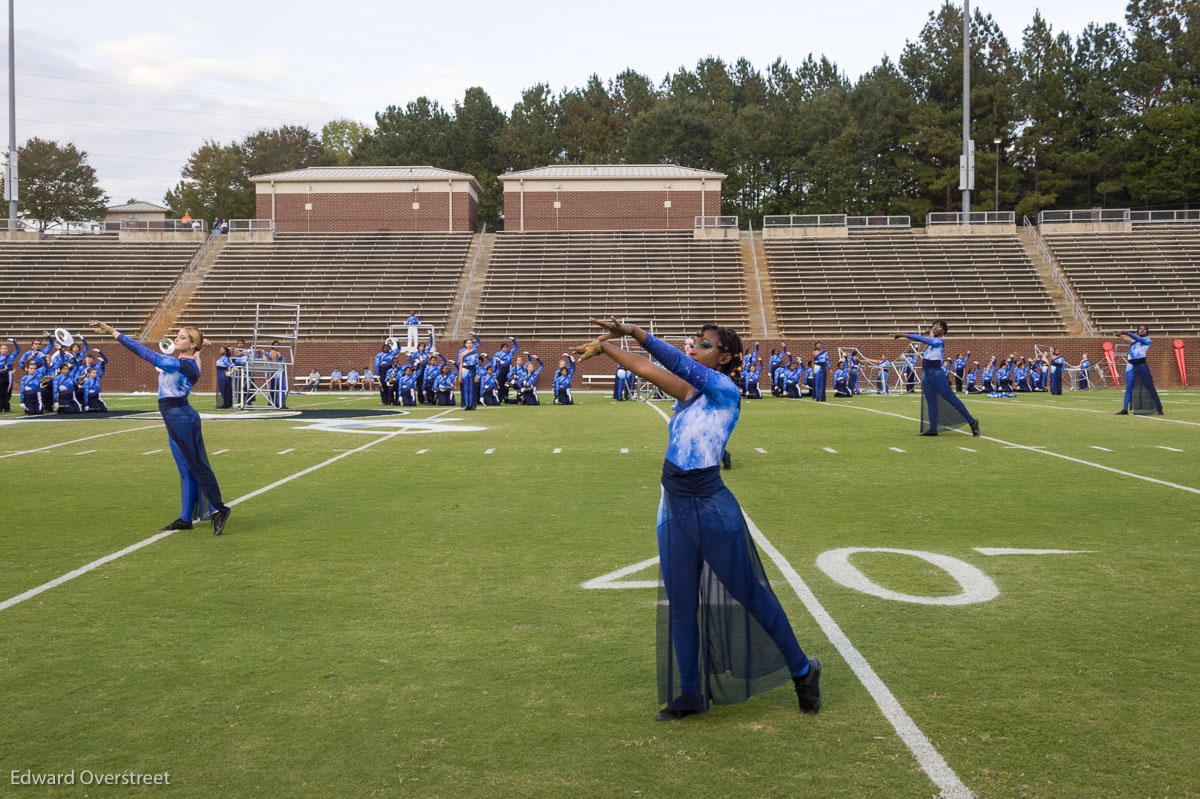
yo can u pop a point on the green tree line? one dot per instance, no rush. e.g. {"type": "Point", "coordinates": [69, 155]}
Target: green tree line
{"type": "Point", "coordinates": [1107, 118]}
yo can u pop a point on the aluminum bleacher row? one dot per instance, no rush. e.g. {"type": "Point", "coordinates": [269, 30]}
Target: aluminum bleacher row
{"type": "Point", "coordinates": [876, 283]}
{"type": "Point", "coordinates": [348, 285]}
{"type": "Point", "coordinates": [546, 284]}
{"type": "Point", "coordinates": [1148, 276]}
{"type": "Point", "coordinates": [70, 280]}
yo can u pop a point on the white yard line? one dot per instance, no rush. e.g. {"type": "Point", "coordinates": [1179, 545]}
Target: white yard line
{"type": "Point", "coordinates": [422, 451]}
{"type": "Point", "coordinates": [152, 452]}
{"type": "Point", "coordinates": [1169, 449]}
{"type": "Point", "coordinates": [1039, 450]}
{"type": "Point", "coordinates": [830, 451]}
{"type": "Point", "coordinates": [488, 451]}
{"type": "Point", "coordinates": [87, 452]}
{"type": "Point", "coordinates": [927, 756]}
{"type": "Point", "coordinates": [78, 440]}
{"type": "Point", "coordinates": [220, 452]}
{"type": "Point", "coordinates": [895, 449]}
{"type": "Point", "coordinates": [1102, 449]}
{"type": "Point", "coordinates": [559, 449]}
{"type": "Point", "coordinates": [71, 575]}
{"type": "Point", "coordinates": [968, 449]}
{"type": "Point", "coordinates": [286, 451]}
{"type": "Point", "coordinates": [760, 449]}
{"type": "Point", "coordinates": [624, 451]}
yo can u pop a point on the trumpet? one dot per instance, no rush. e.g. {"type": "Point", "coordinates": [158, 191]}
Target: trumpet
{"type": "Point", "coordinates": [166, 345]}
{"type": "Point", "coordinates": [63, 337]}
{"type": "Point", "coordinates": [392, 343]}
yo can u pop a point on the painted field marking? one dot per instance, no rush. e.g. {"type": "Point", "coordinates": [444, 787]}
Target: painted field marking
{"type": "Point", "coordinates": [1012, 551]}
{"type": "Point", "coordinates": [422, 451]}
{"type": "Point", "coordinates": [968, 449]}
{"type": "Point", "coordinates": [625, 450]}
{"type": "Point", "coordinates": [760, 449]}
{"type": "Point", "coordinates": [895, 449]}
{"type": "Point", "coordinates": [559, 449]}
{"type": "Point", "coordinates": [78, 440]}
{"type": "Point", "coordinates": [90, 451]}
{"type": "Point", "coordinates": [1039, 450]}
{"type": "Point", "coordinates": [930, 760]}
{"type": "Point", "coordinates": [152, 452]}
{"type": "Point", "coordinates": [489, 451]}
{"type": "Point", "coordinates": [830, 451]}
{"type": "Point", "coordinates": [613, 578]}
{"type": "Point", "coordinates": [220, 452]}
{"type": "Point", "coordinates": [1169, 449]}
{"type": "Point", "coordinates": [71, 575]}
{"type": "Point", "coordinates": [1102, 449]}
{"type": "Point", "coordinates": [286, 451]}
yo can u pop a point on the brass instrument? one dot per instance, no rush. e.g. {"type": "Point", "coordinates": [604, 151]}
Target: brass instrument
{"type": "Point", "coordinates": [63, 337]}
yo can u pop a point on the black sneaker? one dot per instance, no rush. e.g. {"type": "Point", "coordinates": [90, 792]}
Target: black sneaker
{"type": "Point", "coordinates": [682, 706]}
{"type": "Point", "coordinates": [178, 524]}
{"type": "Point", "coordinates": [1122, 412]}
{"type": "Point", "coordinates": [929, 433]}
{"type": "Point", "coordinates": [975, 428]}
{"type": "Point", "coordinates": [727, 460]}
{"type": "Point", "coordinates": [808, 688]}
{"type": "Point", "coordinates": [218, 520]}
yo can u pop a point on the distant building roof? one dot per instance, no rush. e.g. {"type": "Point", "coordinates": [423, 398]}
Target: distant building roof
{"type": "Point", "coordinates": [136, 206]}
{"type": "Point", "coordinates": [627, 171]}
{"type": "Point", "coordinates": [344, 173]}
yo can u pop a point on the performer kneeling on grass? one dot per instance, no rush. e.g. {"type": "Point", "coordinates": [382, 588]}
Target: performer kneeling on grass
{"type": "Point", "coordinates": [940, 409]}
{"type": "Point", "coordinates": [704, 545]}
{"type": "Point", "coordinates": [1140, 395]}
{"type": "Point", "coordinates": [201, 495]}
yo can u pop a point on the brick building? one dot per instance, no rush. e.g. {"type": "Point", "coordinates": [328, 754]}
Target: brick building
{"type": "Point", "coordinates": [609, 197]}
{"type": "Point", "coordinates": [357, 199]}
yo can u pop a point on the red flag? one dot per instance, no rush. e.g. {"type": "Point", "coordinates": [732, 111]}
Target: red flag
{"type": "Point", "coordinates": [1112, 363]}
{"type": "Point", "coordinates": [1179, 360]}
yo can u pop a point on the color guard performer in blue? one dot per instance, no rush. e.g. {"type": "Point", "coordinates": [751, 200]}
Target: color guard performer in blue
{"type": "Point", "coordinates": [940, 409]}
{"type": "Point", "coordinates": [1140, 395]}
{"type": "Point", "coordinates": [383, 365]}
{"type": "Point", "coordinates": [489, 387]}
{"type": "Point", "coordinates": [841, 385]}
{"type": "Point", "coordinates": [405, 387]}
{"type": "Point", "coordinates": [224, 383]}
{"type": "Point", "coordinates": [8, 356]}
{"type": "Point", "coordinates": [562, 382]}
{"type": "Point", "coordinates": [710, 567]}
{"type": "Point", "coordinates": [468, 359]}
{"type": "Point", "coordinates": [1081, 382]}
{"type": "Point", "coordinates": [1058, 366]}
{"type": "Point", "coordinates": [622, 384]}
{"type": "Point", "coordinates": [820, 367]}
{"type": "Point", "coordinates": [201, 496]}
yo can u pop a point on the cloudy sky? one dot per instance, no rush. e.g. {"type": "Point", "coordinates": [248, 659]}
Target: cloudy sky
{"type": "Point", "coordinates": [139, 86]}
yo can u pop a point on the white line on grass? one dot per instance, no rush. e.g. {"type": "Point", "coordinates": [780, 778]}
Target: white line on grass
{"type": "Point", "coordinates": [895, 449]}
{"type": "Point", "coordinates": [760, 449]}
{"type": "Point", "coordinates": [830, 451]}
{"type": "Point", "coordinates": [1170, 449]}
{"type": "Point", "coordinates": [152, 452]}
{"type": "Point", "coordinates": [624, 451]}
{"type": "Point", "coordinates": [559, 449]}
{"type": "Point", "coordinates": [1088, 410]}
{"type": "Point", "coordinates": [1102, 449]}
{"type": "Point", "coordinates": [422, 451]}
{"type": "Point", "coordinates": [1034, 449]}
{"type": "Point", "coordinates": [90, 451]}
{"type": "Point", "coordinates": [220, 452]}
{"type": "Point", "coordinates": [929, 759]}
{"type": "Point", "coordinates": [1010, 551]}
{"type": "Point", "coordinates": [71, 575]}
{"type": "Point", "coordinates": [488, 451]}
{"type": "Point", "coordinates": [286, 451]}
{"type": "Point", "coordinates": [968, 449]}
{"type": "Point", "coordinates": [78, 440]}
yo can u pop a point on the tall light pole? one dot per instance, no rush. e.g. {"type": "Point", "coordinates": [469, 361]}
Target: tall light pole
{"type": "Point", "coordinates": [996, 141]}
{"type": "Point", "coordinates": [966, 171]}
{"type": "Point", "coordinates": [10, 172]}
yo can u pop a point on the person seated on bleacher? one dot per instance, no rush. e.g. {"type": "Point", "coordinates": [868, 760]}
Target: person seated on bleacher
{"type": "Point", "coordinates": [406, 387]}
{"type": "Point", "coordinates": [489, 386]}
{"type": "Point", "coordinates": [336, 383]}
{"type": "Point", "coordinates": [841, 382]}
{"type": "Point", "coordinates": [353, 381]}
{"type": "Point", "coordinates": [368, 379]}
{"type": "Point", "coordinates": [313, 381]}
{"type": "Point", "coordinates": [562, 382]}
{"type": "Point", "coordinates": [529, 378]}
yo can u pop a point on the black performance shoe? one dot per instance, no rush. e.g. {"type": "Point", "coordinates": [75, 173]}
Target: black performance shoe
{"type": "Point", "coordinates": [1122, 412]}
{"type": "Point", "coordinates": [682, 706]}
{"type": "Point", "coordinates": [218, 520]}
{"type": "Point", "coordinates": [975, 428]}
{"type": "Point", "coordinates": [929, 433]}
{"type": "Point", "coordinates": [178, 524]}
{"type": "Point", "coordinates": [808, 688]}
{"type": "Point", "coordinates": [727, 460]}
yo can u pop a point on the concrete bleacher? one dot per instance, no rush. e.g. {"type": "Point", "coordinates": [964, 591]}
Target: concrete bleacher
{"type": "Point", "coordinates": [66, 281]}
{"type": "Point", "coordinates": [546, 284]}
{"type": "Point", "coordinates": [875, 283]}
{"type": "Point", "coordinates": [1150, 275]}
{"type": "Point", "coordinates": [348, 285]}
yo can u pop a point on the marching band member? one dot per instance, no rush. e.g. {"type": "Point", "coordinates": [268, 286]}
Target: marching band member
{"type": "Point", "coordinates": [790, 379]}
{"type": "Point", "coordinates": [529, 380]}
{"type": "Point", "coordinates": [468, 360]}
{"type": "Point", "coordinates": [621, 385]}
{"type": "Point", "coordinates": [562, 383]}
{"type": "Point", "coordinates": [750, 381]}
{"type": "Point", "coordinates": [383, 367]}
{"type": "Point", "coordinates": [201, 496]}
{"type": "Point", "coordinates": [820, 365]}
{"type": "Point", "coordinates": [37, 353]}
{"type": "Point", "coordinates": [224, 384]}
{"type": "Point", "coordinates": [32, 385]}
{"type": "Point", "coordinates": [8, 356]}
{"type": "Point", "coordinates": [1081, 382]}
{"type": "Point", "coordinates": [503, 365]}
{"type": "Point", "coordinates": [91, 390]}
{"type": "Point", "coordinates": [973, 379]}
{"type": "Point", "coordinates": [489, 386]}
{"type": "Point", "coordinates": [1057, 365]}
{"type": "Point", "coordinates": [444, 385]}
{"type": "Point", "coordinates": [940, 409]}
{"type": "Point", "coordinates": [429, 379]}
{"type": "Point", "coordinates": [414, 331]}
{"type": "Point", "coordinates": [406, 386]}
{"type": "Point", "coordinates": [841, 383]}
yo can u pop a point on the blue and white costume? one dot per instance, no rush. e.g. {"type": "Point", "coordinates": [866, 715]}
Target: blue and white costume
{"type": "Point", "coordinates": [468, 359]}
{"type": "Point", "coordinates": [489, 390]}
{"type": "Point", "coordinates": [200, 495]}
{"type": "Point", "coordinates": [750, 381]}
{"type": "Point", "coordinates": [622, 384]}
{"type": "Point", "coordinates": [940, 409]}
{"type": "Point", "coordinates": [1081, 382]}
{"type": "Point", "coordinates": [33, 395]}
{"type": "Point", "coordinates": [710, 567]}
{"type": "Point", "coordinates": [414, 331]}
{"type": "Point", "coordinates": [562, 385]}
{"type": "Point", "coordinates": [6, 375]}
{"type": "Point", "coordinates": [841, 385]}
{"type": "Point", "coordinates": [1140, 394]}
{"type": "Point", "coordinates": [820, 370]}
{"type": "Point", "coordinates": [1057, 365]}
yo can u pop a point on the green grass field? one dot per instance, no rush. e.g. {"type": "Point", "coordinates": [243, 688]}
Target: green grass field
{"type": "Point", "coordinates": [408, 620]}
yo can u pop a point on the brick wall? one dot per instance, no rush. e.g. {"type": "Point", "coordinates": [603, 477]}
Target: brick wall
{"type": "Point", "coordinates": [352, 212]}
{"type": "Point", "coordinates": [607, 210]}
{"type": "Point", "coordinates": [128, 373]}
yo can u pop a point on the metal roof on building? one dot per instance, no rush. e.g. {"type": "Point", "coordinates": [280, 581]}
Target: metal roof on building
{"type": "Point", "coordinates": [136, 206]}
{"type": "Point", "coordinates": [349, 173]}
{"type": "Point", "coordinates": [626, 171]}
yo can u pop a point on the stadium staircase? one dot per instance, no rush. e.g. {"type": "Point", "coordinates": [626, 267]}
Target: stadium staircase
{"type": "Point", "coordinates": [873, 283]}
{"type": "Point", "coordinates": [1149, 276]}
{"type": "Point", "coordinates": [545, 285]}
{"type": "Point", "coordinates": [66, 281]}
{"type": "Point", "coordinates": [470, 288]}
{"type": "Point", "coordinates": [348, 285]}
{"type": "Point", "coordinates": [759, 300]}
{"type": "Point", "coordinates": [1076, 324]}
{"type": "Point", "coordinates": [192, 277]}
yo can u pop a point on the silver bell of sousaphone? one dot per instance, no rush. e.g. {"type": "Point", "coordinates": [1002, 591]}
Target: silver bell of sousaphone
{"type": "Point", "coordinates": [63, 337]}
{"type": "Point", "coordinates": [166, 345]}
{"type": "Point", "coordinates": [392, 343]}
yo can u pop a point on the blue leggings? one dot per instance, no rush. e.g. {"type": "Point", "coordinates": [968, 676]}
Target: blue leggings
{"type": "Point", "coordinates": [187, 446]}
{"type": "Point", "coordinates": [695, 531]}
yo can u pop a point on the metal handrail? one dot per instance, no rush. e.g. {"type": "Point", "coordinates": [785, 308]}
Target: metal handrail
{"type": "Point", "coordinates": [879, 221]}
{"type": "Point", "coordinates": [163, 225]}
{"type": "Point", "coordinates": [715, 222]}
{"type": "Point", "coordinates": [1060, 278]}
{"type": "Point", "coordinates": [973, 218]}
{"type": "Point", "coordinates": [188, 270]}
{"type": "Point", "coordinates": [762, 308]}
{"type": "Point", "coordinates": [251, 225]}
{"type": "Point", "coordinates": [1161, 217]}
{"type": "Point", "coordinates": [1085, 215]}
{"type": "Point", "coordinates": [804, 220]}
{"type": "Point", "coordinates": [462, 306]}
